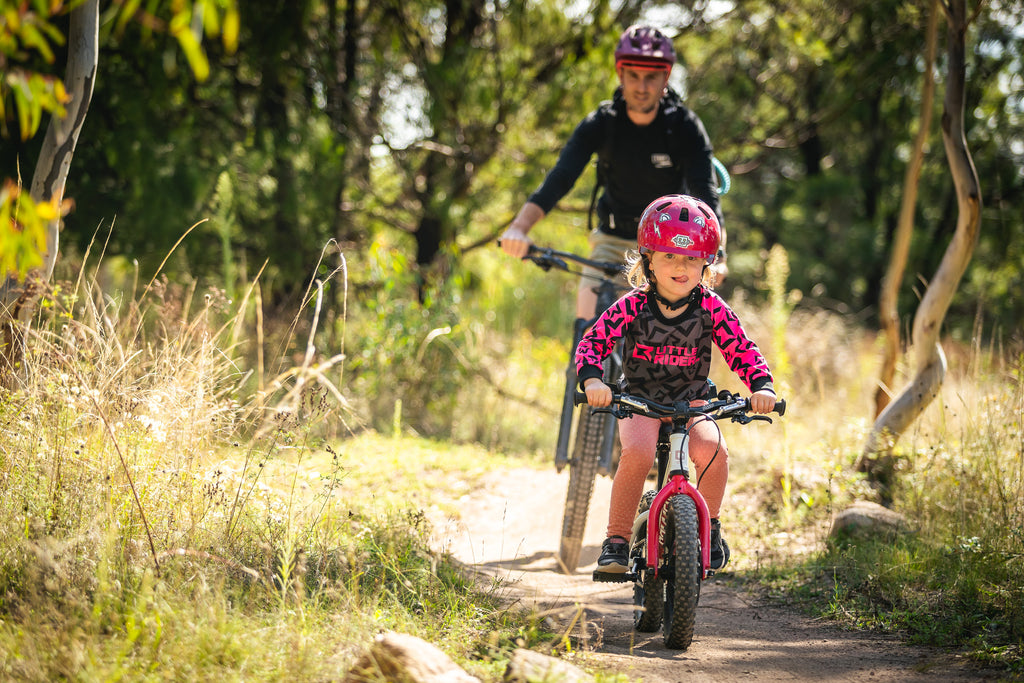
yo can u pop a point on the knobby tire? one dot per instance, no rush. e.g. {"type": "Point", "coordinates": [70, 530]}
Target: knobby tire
{"type": "Point", "coordinates": [582, 472]}
{"type": "Point", "coordinates": [648, 592]}
{"type": "Point", "coordinates": [681, 547]}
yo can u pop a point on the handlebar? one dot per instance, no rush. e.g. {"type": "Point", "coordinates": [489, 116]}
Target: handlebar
{"type": "Point", "coordinates": [548, 258]}
{"type": "Point", "coordinates": [726, 405]}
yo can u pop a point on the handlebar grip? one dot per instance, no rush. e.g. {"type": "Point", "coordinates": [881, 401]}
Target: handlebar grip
{"type": "Point", "coordinates": [780, 406]}
{"type": "Point", "coordinates": [579, 398]}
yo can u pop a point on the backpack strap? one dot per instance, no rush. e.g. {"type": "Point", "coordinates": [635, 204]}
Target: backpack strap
{"type": "Point", "coordinates": [608, 115]}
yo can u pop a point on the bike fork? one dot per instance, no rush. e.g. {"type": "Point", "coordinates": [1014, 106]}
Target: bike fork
{"type": "Point", "coordinates": [678, 485]}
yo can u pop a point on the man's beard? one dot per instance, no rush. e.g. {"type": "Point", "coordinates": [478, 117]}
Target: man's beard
{"type": "Point", "coordinates": [647, 109]}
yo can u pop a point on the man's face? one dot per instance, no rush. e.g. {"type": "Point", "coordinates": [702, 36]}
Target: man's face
{"type": "Point", "coordinates": [642, 88]}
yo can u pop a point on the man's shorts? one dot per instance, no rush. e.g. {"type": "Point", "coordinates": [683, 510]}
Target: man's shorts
{"type": "Point", "coordinates": [605, 247]}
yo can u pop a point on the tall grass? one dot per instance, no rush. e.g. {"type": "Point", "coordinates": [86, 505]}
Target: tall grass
{"type": "Point", "coordinates": [956, 580]}
{"type": "Point", "coordinates": [191, 496]}
{"type": "Point", "coordinates": [169, 513]}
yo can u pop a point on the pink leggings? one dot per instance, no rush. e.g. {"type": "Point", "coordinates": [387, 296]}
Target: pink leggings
{"type": "Point", "coordinates": [639, 437]}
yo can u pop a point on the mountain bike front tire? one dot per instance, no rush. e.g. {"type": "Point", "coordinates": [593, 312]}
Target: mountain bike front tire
{"type": "Point", "coordinates": [582, 472]}
{"type": "Point", "coordinates": [648, 592]}
{"type": "Point", "coordinates": [681, 546]}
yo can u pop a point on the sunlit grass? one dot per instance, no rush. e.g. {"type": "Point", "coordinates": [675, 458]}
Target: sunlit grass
{"type": "Point", "coordinates": [171, 506]}
{"type": "Point", "coordinates": [163, 518]}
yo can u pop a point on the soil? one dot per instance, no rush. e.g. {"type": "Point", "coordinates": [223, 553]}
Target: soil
{"type": "Point", "coordinates": [508, 529]}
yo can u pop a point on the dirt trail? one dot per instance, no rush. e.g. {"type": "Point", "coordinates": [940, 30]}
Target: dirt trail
{"type": "Point", "coordinates": [509, 528]}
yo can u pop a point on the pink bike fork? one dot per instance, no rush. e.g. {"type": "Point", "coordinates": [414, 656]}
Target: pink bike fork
{"type": "Point", "coordinates": [678, 485]}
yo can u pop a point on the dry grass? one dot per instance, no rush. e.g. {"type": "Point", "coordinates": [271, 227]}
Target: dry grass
{"type": "Point", "coordinates": [167, 511]}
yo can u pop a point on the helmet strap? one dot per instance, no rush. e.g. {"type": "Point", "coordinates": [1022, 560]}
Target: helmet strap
{"type": "Point", "coordinates": [670, 305]}
{"type": "Point", "coordinates": [676, 305]}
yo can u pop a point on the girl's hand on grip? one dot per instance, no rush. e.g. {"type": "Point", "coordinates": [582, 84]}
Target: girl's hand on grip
{"type": "Point", "coordinates": [762, 401]}
{"type": "Point", "coordinates": [598, 393]}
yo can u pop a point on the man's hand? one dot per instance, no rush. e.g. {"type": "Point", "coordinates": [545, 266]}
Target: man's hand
{"type": "Point", "coordinates": [514, 242]}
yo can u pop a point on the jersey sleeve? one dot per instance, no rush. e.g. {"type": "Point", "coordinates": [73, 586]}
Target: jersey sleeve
{"type": "Point", "coordinates": [573, 159]}
{"type": "Point", "coordinates": [742, 355]}
{"type": "Point", "coordinates": [600, 339]}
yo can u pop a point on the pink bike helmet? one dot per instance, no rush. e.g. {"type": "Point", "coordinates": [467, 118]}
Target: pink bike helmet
{"type": "Point", "coordinates": [643, 47]}
{"type": "Point", "coordinates": [680, 224]}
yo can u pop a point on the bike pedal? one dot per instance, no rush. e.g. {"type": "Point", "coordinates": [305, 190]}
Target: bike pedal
{"type": "Point", "coordinates": [608, 577]}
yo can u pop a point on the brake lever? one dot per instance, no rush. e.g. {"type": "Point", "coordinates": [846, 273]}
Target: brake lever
{"type": "Point", "coordinates": [745, 419]}
{"type": "Point", "coordinates": [616, 411]}
{"type": "Point", "coordinates": [544, 263]}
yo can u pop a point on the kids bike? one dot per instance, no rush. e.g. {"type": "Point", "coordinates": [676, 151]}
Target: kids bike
{"type": "Point", "coordinates": [595, 439]}
{"type": "Point", "coordinates": [669, 547]}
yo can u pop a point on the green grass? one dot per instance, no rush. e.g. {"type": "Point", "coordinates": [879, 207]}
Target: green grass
{"type": "Point", "coordinates": [176, 507]}
{"type": "Point", "coordinates": [159, 520]}
{"type": "Point", "coordinates": [958, 580]}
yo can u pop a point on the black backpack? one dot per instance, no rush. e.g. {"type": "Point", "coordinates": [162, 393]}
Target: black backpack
{"type": "Point", "coordinates": [609, 114]}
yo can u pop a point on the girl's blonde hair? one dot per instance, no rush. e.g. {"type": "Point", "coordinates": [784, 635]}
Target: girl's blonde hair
{"type": "Point", "coordinates": [636, 273]}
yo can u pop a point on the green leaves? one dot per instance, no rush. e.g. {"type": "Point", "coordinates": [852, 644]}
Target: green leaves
{"type": "Point", "coordinates": [188, 23]}
{"type": "Point", "coordinates": [24, 94]}
{"type": "Point", "coordinates": [23, 229]}
{"type": "Point", "coordinates": [28, 38]}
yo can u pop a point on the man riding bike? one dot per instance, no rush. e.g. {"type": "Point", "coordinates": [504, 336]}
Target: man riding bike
{"type": "Point", "coordinates": [648, 144]}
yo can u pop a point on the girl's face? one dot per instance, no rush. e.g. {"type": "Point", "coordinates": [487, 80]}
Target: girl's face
{"type": "Point", "coordinates": [676, 275]}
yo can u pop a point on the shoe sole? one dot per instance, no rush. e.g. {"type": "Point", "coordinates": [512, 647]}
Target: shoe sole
{"type": "Point", "coordinates": [613, 569]}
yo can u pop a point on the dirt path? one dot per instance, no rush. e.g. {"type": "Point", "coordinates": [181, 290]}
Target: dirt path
{"type": "Point", "coordinates": [509, 528]}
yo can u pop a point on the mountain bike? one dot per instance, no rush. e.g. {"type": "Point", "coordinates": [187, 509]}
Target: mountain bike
{"type": "Point", "coordinates": [595, 439]}
{"type": "Point", "coordinates": [670, 544]}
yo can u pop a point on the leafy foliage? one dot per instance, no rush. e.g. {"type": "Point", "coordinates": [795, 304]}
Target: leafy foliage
{"type": "Point", "coordinates": [22, 229]}
{"type": "Point", "coordinates": [28, 39]}
{"type": "Point", "coordinates": [27, 31]}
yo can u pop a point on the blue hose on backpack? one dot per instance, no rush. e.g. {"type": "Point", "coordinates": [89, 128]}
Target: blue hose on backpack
{"type": "Point", "coordinates": [724, 181]}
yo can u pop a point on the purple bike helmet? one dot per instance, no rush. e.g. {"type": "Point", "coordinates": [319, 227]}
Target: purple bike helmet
{"type": "Point", "coordinates": [644, 47]}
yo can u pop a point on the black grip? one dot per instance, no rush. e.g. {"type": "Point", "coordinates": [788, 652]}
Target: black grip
{"type": "Point", "coordinates": [579, 398]}
{"type": "Point", "coordinates": [780, 406]}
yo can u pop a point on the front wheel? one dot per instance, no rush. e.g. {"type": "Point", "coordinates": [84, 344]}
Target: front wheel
{"type": "Point", "coordinates": [582, 472]}
{"type": "Point", "coordinates": [681, 548]}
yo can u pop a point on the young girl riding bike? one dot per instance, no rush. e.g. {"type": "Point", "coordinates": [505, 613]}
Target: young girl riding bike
{"type": "Point", "coordinates": [668, 324]}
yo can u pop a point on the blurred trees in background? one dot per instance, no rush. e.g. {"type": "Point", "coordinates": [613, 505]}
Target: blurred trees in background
{"type": "Point", "coordinates": [425, 125]}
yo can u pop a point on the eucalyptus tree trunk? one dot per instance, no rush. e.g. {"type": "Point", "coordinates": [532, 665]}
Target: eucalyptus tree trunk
{"type": "Point", "coordinates": [930, 361]}
{"type": "Point", "coordinates": [18, 298]}
{"type": "Point", "coordinates": [888, 308]}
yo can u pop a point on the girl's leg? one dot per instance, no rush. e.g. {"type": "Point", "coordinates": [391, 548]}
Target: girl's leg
{"type": "Point", "coordinates": [639, 437]}
{"type": "Point", "coordinates": [710, 457]}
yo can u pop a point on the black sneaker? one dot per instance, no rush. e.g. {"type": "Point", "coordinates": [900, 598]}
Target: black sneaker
{"type": "Point", "coordinates": [614, 556]}
{"type": "Point", "coordinates": [719, 548]}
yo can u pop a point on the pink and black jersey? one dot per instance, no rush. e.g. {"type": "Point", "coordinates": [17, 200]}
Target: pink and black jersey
{"type": "Point", "coordinates": [669, 359]}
